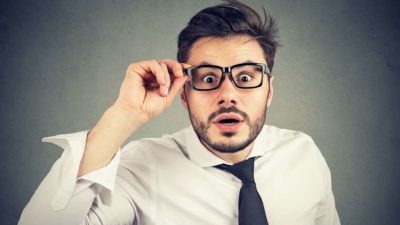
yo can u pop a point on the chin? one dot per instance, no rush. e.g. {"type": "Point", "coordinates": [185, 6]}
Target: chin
{"type": "Point", "coordinates": [228, 134]}
{"type": "Point", "coordinates": [228, 146]}
{"type": "Point", "coordinates": [237, 136]}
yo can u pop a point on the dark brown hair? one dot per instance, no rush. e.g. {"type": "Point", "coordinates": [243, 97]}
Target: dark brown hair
{"type": "Point", "coordinates": [230, 18]}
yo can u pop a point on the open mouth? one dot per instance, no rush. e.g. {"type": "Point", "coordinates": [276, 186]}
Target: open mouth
{"type": "Point", "coordinates": [229, 121]}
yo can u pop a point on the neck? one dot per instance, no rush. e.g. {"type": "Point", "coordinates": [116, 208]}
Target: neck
{"type": "Point", "coordinates": [232, 158]}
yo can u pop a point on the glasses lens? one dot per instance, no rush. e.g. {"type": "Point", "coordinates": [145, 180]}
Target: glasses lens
{"type": "Point", "coordinates": [247, 76]}
{"type": "Point", "coordinates": [205, 78]}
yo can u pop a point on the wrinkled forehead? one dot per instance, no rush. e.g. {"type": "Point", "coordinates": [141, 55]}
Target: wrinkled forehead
{"type": "Point", "coordinates": [225, 51]}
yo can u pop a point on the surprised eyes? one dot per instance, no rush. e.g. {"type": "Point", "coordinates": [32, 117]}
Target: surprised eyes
{"type": "Point", "coordinates": [243, 78]}
{"type": "Point", "coordinates": [211, 79]}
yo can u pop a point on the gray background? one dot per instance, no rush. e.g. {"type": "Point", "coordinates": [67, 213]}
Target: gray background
{"type": "Point", "coordinates": [337, 79]}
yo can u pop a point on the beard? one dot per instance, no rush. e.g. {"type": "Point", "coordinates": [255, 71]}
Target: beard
{"type": "Point", "coordinates": [202, 130]}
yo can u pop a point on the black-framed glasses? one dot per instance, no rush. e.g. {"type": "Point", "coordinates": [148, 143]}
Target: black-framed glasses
{"type": "Point", "coordinates": [244, 75]}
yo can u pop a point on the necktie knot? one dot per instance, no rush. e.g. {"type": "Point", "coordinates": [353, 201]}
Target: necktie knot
{"type": "Point", "coordinates": [243, 170]}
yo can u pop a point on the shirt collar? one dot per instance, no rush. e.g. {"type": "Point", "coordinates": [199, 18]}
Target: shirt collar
{"type": "Point", "coordinates": [200, 155]}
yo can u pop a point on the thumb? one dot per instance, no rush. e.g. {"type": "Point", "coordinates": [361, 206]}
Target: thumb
{"type": "Point", "coordinates": [175, 88]}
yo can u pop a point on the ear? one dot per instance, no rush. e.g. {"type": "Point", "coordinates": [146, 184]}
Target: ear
{"type": "Point", "coordinates": [271, 91]}
{"type": "Point", "coordinates": [183, 98]}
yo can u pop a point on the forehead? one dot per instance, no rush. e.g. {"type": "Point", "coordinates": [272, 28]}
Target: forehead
{"type": "Point", "coordinates": [225, 51]}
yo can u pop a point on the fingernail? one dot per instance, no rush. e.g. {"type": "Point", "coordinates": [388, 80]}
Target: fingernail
{"type": "Point", "coordinates": [165, 90]}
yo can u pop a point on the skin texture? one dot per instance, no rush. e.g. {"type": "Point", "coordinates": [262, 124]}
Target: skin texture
{"type": "Point", "coordinates": [149, 88]}
{"type": "Point", "coordinates": [250, 104]}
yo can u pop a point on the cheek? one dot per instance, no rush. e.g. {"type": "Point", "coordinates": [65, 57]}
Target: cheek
{"type": "Point", "coordinates": [255, 103]}
{"type": "Point", "coordinates": [198, 104]}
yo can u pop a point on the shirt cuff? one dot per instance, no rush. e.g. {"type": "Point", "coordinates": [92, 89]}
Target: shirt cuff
{"type": "Point", "coordinates": [74, 146]}
{"type": "Point", "coordinates": [105, 177]}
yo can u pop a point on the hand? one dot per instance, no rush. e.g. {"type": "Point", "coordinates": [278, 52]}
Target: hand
{"type": "Point", "coordinates": [150, 87]}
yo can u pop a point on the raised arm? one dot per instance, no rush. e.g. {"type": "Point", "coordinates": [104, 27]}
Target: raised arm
{"type": "Point", "coordinates": [148, 89]}
{"type": "Point", "coordinates": [78, 188]}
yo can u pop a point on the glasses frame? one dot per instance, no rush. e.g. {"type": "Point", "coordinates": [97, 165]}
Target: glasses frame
{"type": "Point", "coordinates": [224, 70]}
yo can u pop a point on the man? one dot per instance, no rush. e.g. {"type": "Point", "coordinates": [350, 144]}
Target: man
{"type": "Point", "coordinates": [227, 168]}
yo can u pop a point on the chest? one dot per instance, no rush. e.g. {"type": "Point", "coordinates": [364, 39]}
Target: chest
{"type": "Point", "coordinates": [196, 195]}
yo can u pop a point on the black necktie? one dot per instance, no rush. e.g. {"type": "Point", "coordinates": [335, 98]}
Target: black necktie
{"type": "Point", "coordinates": [251, 208]}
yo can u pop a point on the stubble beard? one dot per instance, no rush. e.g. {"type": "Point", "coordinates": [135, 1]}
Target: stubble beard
{"type": "Point", "coordinates": [229, 146]}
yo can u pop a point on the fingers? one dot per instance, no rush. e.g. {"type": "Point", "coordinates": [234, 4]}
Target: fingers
{"type": "Point", "coordinates": [174, 73]}
{"type": "Point", "coordinates": [176, 86]}
{"type": "Point", "coordinates": [164, 88]}
{"type": "Point", "coordinates": [151, 74]}
{"type": "Point", "coordinates": [158, 74]}
{"type": "Point", "coordinates": [174, 66]}
{"type": "Point", "coordinates": [177, 78]}
{"type": "Point", "coordinates": [147, 70]}
{"type": "Point", "coordinates": [174, 70]}
{"type": "Point", "coordinates": [185, 66]}
{"type": "Point", "coordinates": [162, 77]}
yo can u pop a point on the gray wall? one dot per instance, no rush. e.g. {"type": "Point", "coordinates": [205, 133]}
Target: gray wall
{"type": "Point", "coordinates": [337, 79]}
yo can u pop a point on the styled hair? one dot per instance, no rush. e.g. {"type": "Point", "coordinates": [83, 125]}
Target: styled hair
{"type": "Point", "coordinates": [228, 19]}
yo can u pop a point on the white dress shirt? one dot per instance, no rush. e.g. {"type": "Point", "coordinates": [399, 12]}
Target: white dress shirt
{"type": "Point", "coordinates": [171, 180]}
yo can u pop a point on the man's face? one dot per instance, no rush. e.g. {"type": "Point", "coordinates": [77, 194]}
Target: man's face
{"type": "Point", "coordinates": [227, 119]}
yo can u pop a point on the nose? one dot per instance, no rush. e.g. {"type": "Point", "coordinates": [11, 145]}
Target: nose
{"type": "Point", "coordinates": [227, 93]}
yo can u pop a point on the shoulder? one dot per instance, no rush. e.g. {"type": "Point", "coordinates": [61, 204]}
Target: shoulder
{"type": "Point", "coordinates": [286, 136]}
{"type": "Point", "coordinates": [144, 148]}
{"type": "Point", "coordinates": [296, 147]}
{"type": "Point", "coordinates": [292, 144]}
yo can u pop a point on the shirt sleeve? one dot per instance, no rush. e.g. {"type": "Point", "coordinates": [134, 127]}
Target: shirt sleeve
{"type": "Point", "coordinates": [62, 198]}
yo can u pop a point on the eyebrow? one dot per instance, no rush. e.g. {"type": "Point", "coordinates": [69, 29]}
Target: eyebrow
{"type": "Point", "coordinates": [205, 63]}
